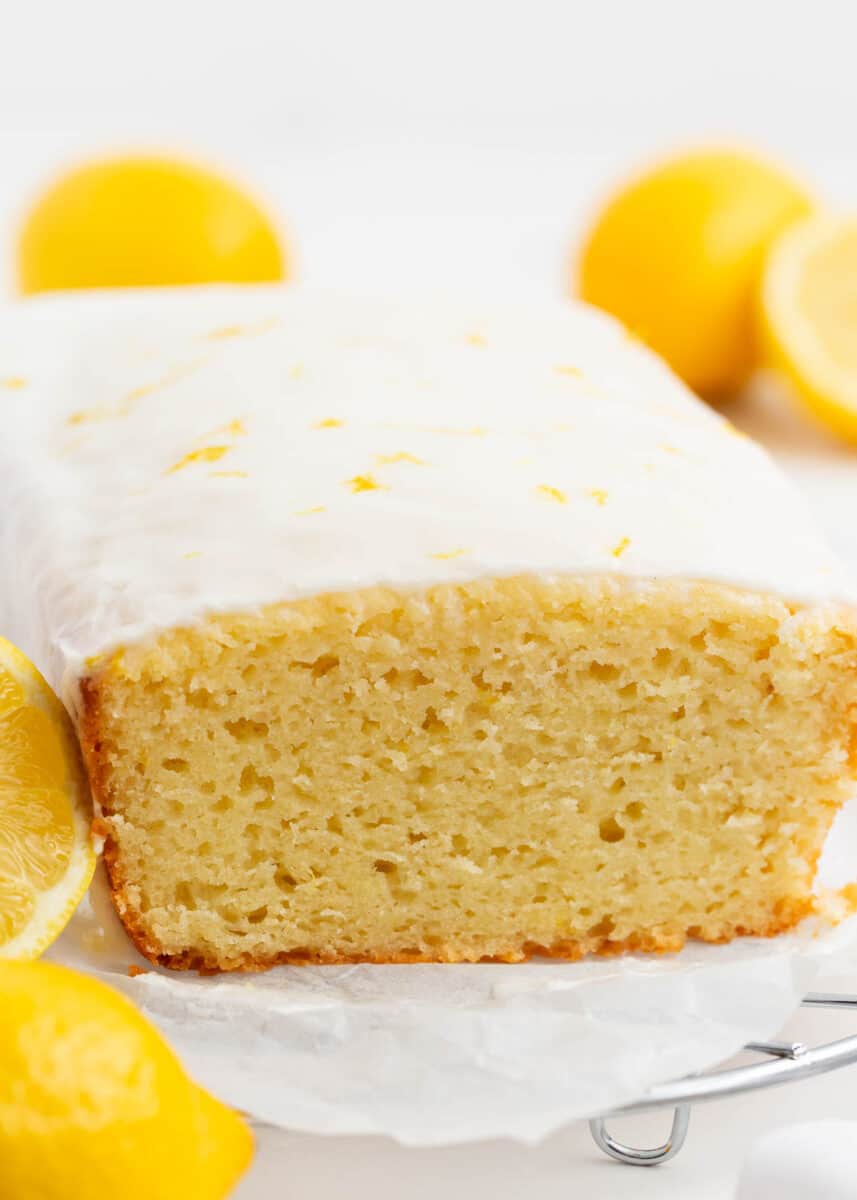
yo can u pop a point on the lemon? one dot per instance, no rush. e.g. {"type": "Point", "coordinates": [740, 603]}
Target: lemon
{"type": "Point", "coordinates": [136, 222]}
{"type": "Point", "coordinates": [809, 317]}
{"type": "Point", "coordinates": [46, 851]}
{"type": "Point", "coordinates": [94, 1104]}
{"type": "Point", "coordinates": [677, 255]}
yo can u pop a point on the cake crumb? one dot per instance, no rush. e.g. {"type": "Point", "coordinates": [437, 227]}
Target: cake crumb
{"type": "Point", "coordinates": [476, 339]}
{"type": "Point", "coordinates": [450, 553]}
{"type": "Point", "coordinates": [598, 495]}
{"type": "Point", "coordinates": [13, 383]}
{"type": "Point", "coordinates": [134, 971]}
{"type": "Point", "coordinates": [99, 827]}
{"type": "Point", "coordinates": [329, 423]}
{"type": "Point", "coordinates": [573, 372]}
{"type": "Point", "coordinates": [620, 548]}
{"type": "Point", "coordinates": [308, 512]}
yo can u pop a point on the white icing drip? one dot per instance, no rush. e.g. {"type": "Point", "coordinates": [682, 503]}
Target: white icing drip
{"type": "Point", "coordinates": [501, 442]}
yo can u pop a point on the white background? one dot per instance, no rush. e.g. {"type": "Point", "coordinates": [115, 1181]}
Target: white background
{"type": "Point", "coordinates": [442, 142]}
{"type": "Point", "coordinates": [453, 144]}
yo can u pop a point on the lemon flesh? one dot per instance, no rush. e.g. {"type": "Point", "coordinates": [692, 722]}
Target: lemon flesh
{"type": "Point", "coordinates": [93, 1103]}
{"type": "Point", "coordinates": [809, 317]}
{"type": "Point", "coordinates": [46, 852]}
{"type": "Point", "coordinates": [678, 253]}
{"type": "Point", "coordinates": [137, 222]}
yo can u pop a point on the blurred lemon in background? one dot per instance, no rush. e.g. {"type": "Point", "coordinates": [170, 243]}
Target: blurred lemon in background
{"type": "Point", "coordinates": [46, 852]}
{"type": "Point", "coordinates": [93, 1103]}
{"type": "Point", "coordinates": [809, 317]}
{"type": "Point", "coordinates": [138, 221]}
{"type": "Point", "coordinates": [677, 255]}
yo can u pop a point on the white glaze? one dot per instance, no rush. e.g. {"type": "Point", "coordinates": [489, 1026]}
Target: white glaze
{"type": "Point", "coordinates": [547, 442]}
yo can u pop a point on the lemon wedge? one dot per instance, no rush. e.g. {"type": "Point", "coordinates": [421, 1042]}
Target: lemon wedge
{"type": "Point", "coordinates": [809, 317]}
{"type": "Point", "coordinates": [94, 1104]}
{"type": "Point", "coordinates": [46, 851]}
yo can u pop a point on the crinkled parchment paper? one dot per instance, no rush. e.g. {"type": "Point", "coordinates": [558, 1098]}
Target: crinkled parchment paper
{"type": "Point", "coordinates": [440, 1054]}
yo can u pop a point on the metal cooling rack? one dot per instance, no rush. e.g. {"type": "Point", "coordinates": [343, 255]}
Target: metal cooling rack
{"type": "Point", "coordinates": [784, 1062]}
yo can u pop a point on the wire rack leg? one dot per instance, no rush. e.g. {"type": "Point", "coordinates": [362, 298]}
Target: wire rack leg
{"type": "Point", "coordinates": [643, 1158]}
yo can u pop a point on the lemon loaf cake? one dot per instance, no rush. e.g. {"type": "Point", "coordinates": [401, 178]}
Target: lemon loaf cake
{"type": "Point", "coordinates": [399, 633]}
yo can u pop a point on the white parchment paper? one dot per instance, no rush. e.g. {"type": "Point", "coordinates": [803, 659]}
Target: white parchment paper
{"type": "Point", "coordinates": [443, 1054]}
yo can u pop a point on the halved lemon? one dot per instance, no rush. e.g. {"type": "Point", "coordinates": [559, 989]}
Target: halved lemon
{"type": "Point", "coordinates": [809, 317]}
{"type": "Point", "coordinates": [46, 850]}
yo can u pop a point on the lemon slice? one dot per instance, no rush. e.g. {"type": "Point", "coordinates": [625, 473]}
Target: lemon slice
{"type": "Point", "coordinates": [46, 852]}
{"type": "Point", "coordinates": [809, 317]}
